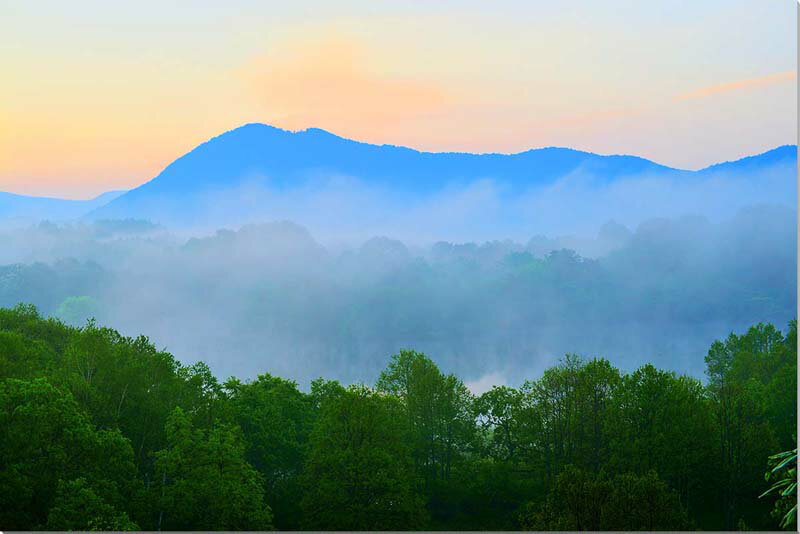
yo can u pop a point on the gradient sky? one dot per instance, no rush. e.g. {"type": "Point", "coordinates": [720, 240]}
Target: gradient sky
{"type": "Point", "coordinates": [99, 95]}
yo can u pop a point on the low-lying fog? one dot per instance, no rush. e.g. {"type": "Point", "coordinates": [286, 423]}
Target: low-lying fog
{"type": "Point", "coordinates": [272, 298]}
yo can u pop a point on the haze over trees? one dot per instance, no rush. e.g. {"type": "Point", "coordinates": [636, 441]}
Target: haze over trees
{"type": "Point", "coordinates": [265, 297]}
{"type": "Point", "coordinates": [102, 431]}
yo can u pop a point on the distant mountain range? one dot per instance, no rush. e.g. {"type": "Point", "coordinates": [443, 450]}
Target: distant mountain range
{"type": "Point", "coordinates": [25, 209]}
{"type": "Point", "coordinates": [258, 157]}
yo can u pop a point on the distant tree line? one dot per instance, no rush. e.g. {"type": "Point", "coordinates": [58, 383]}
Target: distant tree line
{"type": "Point", "coordinates": [658, 294]}
{"type": "Point", "coordinates": [105, 432]}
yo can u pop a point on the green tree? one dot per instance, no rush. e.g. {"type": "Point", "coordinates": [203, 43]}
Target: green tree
{"type": "Point", "coordinates": [665, 423]}
{"type": "Point", "coordinates": [739, 371]}
{"type": "Point", "coordinates": [499, 413]}
{"type": "Point", "coordinates": [582, 500]}
{"type": "Point", "coordinates": [201, 393]}
{"type": "Point", "coordinates": [506, 473]}
{"type": "Point", "coordinates": [439, 409]}
{"type": "Point", "coordinates": [360, 474]}
{"type": "Point", "coordinates": [597, 382]}
{"type": "Point", "coordinates": [126, 383]}
{"type": "Point", "coordinates": [276, 419]}
{"type": "Point", "coordinates": [24, 320]}
{"type": "Point", "coordinates": [45, 440]}
{"type": "Point", "coordinates": [566, 420]}
{"type": "Point", "coordinates": [78, 507]}
{"type": "Point", "coordinates": [75, 311]}
{"type": "Point", "coordinates": [22, 357]}
{"type": "Point", "coordinates": [784, 468]}
{"type": "Point", "coordinates": [203, 481]}
{"type": "Point", "coordinates": [323, 391]}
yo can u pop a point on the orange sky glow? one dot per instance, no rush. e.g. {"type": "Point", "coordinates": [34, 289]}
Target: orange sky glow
{"type": "Point", "coordinates": [102, 97]}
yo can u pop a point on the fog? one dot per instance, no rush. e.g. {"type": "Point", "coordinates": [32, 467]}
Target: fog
{"type": "Point", "coordinates": [339, 209]}
{"type": "Point", "coordinates": [622, 271]}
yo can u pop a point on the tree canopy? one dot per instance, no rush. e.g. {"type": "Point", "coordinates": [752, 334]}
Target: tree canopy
{"type": "Point", "coordinates": [105, 432]}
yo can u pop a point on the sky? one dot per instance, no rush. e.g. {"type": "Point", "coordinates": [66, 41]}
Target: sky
{"type": "Point", "coordinates": [98, 96]}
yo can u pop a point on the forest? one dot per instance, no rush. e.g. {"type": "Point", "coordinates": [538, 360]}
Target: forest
{"type": "Point", "coordinates": [106, 432]}
{"type": "Point", "coordinates": [265, 296]}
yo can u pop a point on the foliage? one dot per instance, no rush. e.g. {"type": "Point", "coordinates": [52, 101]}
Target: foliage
{"type": "Point", "coordinates": [784, 465]}
{"type": "Point", "coordinates": [47, 439]}
{"type": "Point", "coordinates": [77, 310]}
{"type": "Point", "coordinates": [205, 482]}
{"type": "Point", "coordinates": [78, 507]}
{"type": "Point", "coordinates": [359, 474]}
{"type": "Point", "coordinates": [103, 431]}
{"type": "Point", "coordinates": [439, 412]}
{"type": "Point", "coordinates": [585, 501]}
{"type": "Point", "coordinates": [276, 420]}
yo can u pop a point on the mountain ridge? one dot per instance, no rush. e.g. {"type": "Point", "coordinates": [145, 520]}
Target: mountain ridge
{"type": "Point", "coordinates": [283, 160]}
{"type": "Point", "coordinates": [26, 208]}
{"type": "Point", "coordinates": [772, 156]}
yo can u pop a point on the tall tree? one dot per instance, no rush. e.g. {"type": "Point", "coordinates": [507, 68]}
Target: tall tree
{"type": "Point", "coordinates": [126, 383]}
{"type": "Point", "coordinates": [568, 411]}
{"type": "Point", "coordinates": [440, 413]}
{"type": "Point", "coordinates": [745, 436]}
{"type": "Point", "coordinates": [276, 419]}
{"type": "Point", "coordinates": [360, 474]}
{"type": "Point", "coordinates": [438, 407]}
{"type": "Point", "coordinates": [204, 482]}
{"type": "Point", "coordinates": [664, 422]}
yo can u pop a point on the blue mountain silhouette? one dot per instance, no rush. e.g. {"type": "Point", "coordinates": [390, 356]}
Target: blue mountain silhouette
{"type": "Point", "coordinates": [286, 156]}
{"type": "Point", "coordinates": [786, 154]}
{"type": "Point", "coordinates": [282, 160]}
{"type": "Point", "coordinates": [26, 209]}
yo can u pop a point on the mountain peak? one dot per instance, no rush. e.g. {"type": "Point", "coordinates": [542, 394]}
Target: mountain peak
{"type": "Point", "coordinates": [261, 155]}
{"type": "Point", "coordinates": [318, 131]}
{"type": "Point", "coordinates": [252, 128]}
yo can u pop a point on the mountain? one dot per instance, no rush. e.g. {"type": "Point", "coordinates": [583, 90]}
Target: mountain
{"type": "Point", "coordinates": [24, 209]}
{"type": "Point", "coordinates": [783, 155]}
{"type": "Point", "coordinates": [281, 161]}
{"type": "Point", "coordinates": [259, 172]}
